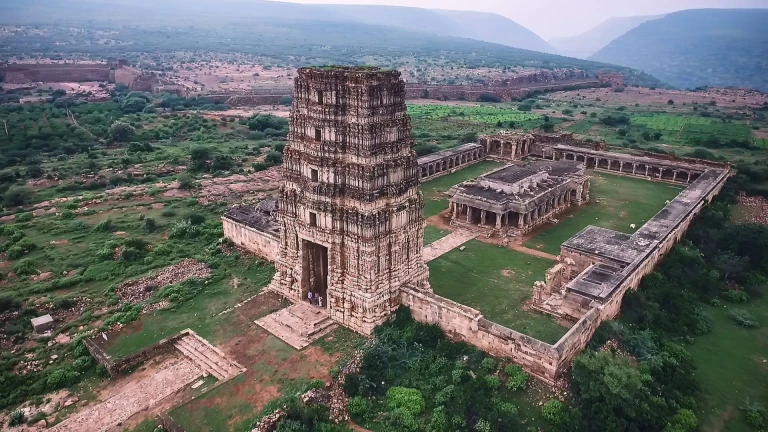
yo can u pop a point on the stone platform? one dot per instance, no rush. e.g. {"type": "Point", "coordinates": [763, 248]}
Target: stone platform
{"type": "Point", "coordinates": [447, 244]}
{"type": "Point", "coordinates": [298, 325]}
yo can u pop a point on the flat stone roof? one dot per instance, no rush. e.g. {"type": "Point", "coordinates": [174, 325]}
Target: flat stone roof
{"type": "Point", "coordinates": [606, 243]}
{"type": "Point", "coordinates": [261, 217]}
{"type": "Point", "coordinates": [442, 154]}
{"type": "Point", "coordinates": [490, 187]}
{"type": "Point", "coordinates": [599, 282]}
{"type": "Point", "coordinates": [596, 282]}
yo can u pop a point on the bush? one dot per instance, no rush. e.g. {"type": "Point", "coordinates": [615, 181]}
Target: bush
{"type": "Point", "coordinates": [16, 418]}
{"type": "Point", "coordinates": [23, 217]}
{"type": "Point", "coordinates": [408, 399]}
{"type": "Point", "coordinates": [361, 408]}
{"type": "Point", "coordinates": [8, 303]}
{"type": "Point", "coordinates": [104, 226]}
{"type": "Point", "coordinates": [560, 417]}
{"type": "Point", "coordinates": [168, 213]}
{"type": "Point", "coordinates": [487, 97]}
{"type": "Point", "coordinates": [274, 158]}
{"type": "Point", "coordinates": [25, 268]}
{"type": "Point", "coordinates": [488, 364]}
{"type": "Point", "coordinates": [492, 381]}
{"type": "Point", "coordinates": [736, 296]}
{"type": "Point", "coordinates": [524, 107]}
{"type": "Point", "coordinates": [754, 412]}
{"type": "Point", "coordinates": [517, 378]}
{"type": "Point", "coordinates": [401, 420]}
{"type": "Point", "coordinates": [742, 317]}
{"type": "Point", "coordinates": [150, 225]}
{"type": "Point", "coordinates": [121, 131]}
{"type": "Point", "coordinates": [16, 196]}
{"type": "Point", "coordinates": [67, 215]}
{"type": "Point", "coordinates": [15, 252]}
{"type": "Point", "coordinates": [194, 218]}
{"type": "Point", "coordinates": [61, 377]}
{"type": "Point", "coordinates": [184, 229]}
{"type": "Point", "coordinates": [684, 421]}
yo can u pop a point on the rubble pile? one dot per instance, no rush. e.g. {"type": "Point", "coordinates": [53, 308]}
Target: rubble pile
{"type": "Point", "coordinates": [757, 208]}
{"type": "Point", "coordinates": [269, 423]}
{"type": "Point", "coordinates": [139, 290]}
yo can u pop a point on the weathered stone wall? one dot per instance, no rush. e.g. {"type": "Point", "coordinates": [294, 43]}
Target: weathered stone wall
{"type": "Point", "coordinates": [261, 243]}
{"type": "Point", "coordinates": [124, 364]}
{"type": "Point", "coordinates": [505, 93]}
{"type": "Point", "coordinates": [462, 323]}
{"type": "Point", "coordinates": [58, 72]}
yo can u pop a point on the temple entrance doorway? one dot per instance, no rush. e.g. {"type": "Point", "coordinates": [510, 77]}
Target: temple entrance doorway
{"type": "Point", "coordinates": [315, 273]}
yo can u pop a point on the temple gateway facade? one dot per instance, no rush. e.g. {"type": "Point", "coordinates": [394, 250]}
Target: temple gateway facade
{"type": "Point", "coordinates": [351, 223]}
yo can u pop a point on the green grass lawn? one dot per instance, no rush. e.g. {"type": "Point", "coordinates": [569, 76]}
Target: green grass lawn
{"type": "Point", "coordinates": [497, 282]}
{"type": "Point", "coordinates": [623, 201]}
{"type": "Point", "coordinates": [433, 234]}
{"type": "Point", "coordinates": [197, 313]}
{"type": "Point", "coordinates": [731, 365]}
{"type": "Point", "coordinates": [435, 199]}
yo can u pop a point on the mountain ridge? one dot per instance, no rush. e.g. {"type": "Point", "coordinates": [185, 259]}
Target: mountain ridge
{"type": "Point", "coordinates": [591, 41]}
{"type": "Point", "coordinates": [698, 47]}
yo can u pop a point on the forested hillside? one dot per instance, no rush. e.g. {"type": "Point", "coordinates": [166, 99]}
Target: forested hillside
{"type": "Point", "coordinates": [705, 47]}
{"type": "Point", "coordinates": [481, 26]}
{"type": "Point", "coordinates": [294, 41]}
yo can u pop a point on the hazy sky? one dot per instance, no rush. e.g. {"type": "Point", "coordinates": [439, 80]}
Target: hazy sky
{"type": "Point", "coordinates": [558, 18]}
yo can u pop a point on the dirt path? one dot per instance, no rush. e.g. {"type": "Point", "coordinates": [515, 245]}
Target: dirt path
{"type": "Point", "coordinates": [447, 244]}
{"type": "Point", "coordinates": [132, 398]}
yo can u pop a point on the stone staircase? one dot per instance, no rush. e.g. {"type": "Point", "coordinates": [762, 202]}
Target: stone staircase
{"type": "Point", "coordinates": [208, 357]}
{"type": "Point", "coordinates": [298, 325]}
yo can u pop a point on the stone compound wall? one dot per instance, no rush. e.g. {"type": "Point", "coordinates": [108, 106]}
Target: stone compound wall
{"type": "Point", "coordinates": [263, 244]}
{"type": "Point", "coordinates": [58, 72]}
{"type": "Point", "coordinates": [544, 361]}
{"type": "Point", "coordinates": [505, 93]}
{"type": "Point", "coordinates": [119, 366]}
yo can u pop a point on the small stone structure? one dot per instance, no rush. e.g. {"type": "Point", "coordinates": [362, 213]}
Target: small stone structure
{"type": "Point", "coordinates": [254, 228]}
{"type": "Point", "coordinates": [42, 323]}
{"type": "Point", "coordinates": [615, 79]}
{"type": "Point", "coordinates": [351, 214]}
{"type": "Point", "coordinates": [447, 161]}
{"type": "Point", "coordinates": [516, 199]}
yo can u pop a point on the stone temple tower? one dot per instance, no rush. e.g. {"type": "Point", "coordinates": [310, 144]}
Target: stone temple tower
{"type": "Point", "coordinates": [351, 215]}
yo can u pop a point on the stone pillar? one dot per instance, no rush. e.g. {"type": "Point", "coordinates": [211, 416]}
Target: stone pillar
{"type": "Point", "coordinates": [482, 217]}
{"type": "Point", "coordinates": [621, 166]}
{"type": "Point", "coordinates": [469, 214]}
{"type": "Point", "coordinates": [455, 210]}
{"type": "Point", "coordinates": [646, 170]}
{"type": "Point", "coordinates": [634, 167]}
{"type": "Point", "coordinates": [674, 175]}
{"type": "Point", "coordinates": [498, 220]}
{"type": "Point", "coordinates": [688, 177]}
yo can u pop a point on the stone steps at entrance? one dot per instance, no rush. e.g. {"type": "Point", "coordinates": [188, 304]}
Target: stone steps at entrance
{"type": "Point", "coordinates": [298, 325]}
{"type": "Point", "coordinates": [207, 357]}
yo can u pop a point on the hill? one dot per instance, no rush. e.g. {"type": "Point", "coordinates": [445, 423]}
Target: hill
{"type": "Point", "coordinates": [585, 44]}
{"type": "Point", "coordinates": [296, 37]}
{"type": "Point", "coordinates": [714, 47]}
{"type": "Point", "coordinates": [485, 27]}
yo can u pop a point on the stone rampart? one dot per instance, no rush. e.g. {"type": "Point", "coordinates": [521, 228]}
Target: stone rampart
{"type": "Point", "coordinates": [18, 73]}
{"type": "Point", "coordinates": [262, 243]}
{"type": "Point", "coordinates": [505, 93]}
{"type": "Point", "coordinates": [464, 324]}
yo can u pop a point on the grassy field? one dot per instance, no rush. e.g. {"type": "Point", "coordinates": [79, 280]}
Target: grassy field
{"type": "Point", "coordinates": [731, 365]}
{"type": "Point", "coordinates": [482, 114]}
{"type": "Point", "coordinates": [687, 127]}
{"type": "Point", "coordinates": [432, 234]}
{"type": "Point", "coordinates": [435, 199]}
{"type": "Point", "coordinates": [623, 201]}
{"type": "Point", "coordinates": [497, 282]}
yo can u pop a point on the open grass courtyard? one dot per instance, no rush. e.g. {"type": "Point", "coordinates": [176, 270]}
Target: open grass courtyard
{"type": "Point", "coordinates": [497, 282]}
{"type": "Point", "coordinates": [435, 199]}
{"type": "Point", "coordinates": [616, 202]}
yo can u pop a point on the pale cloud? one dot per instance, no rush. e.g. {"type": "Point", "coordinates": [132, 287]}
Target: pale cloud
{"type": "Point", "coordinates": [558, 18]}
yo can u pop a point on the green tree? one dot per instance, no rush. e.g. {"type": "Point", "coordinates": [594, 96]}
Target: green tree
{"type": "Point", "coordinates": [16, 196]}
{"type": "Point", "coordinates": [613, 394]}
{"type": "Point", "coordinates": [121, 132]}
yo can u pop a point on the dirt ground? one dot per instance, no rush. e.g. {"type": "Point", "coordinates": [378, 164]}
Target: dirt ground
{"type": "Point", "coordinates": [222, 76]}
{"type": "Point", "coordinates": [644, 96]}
{"type": "Point", "coordinates": [276, 110]}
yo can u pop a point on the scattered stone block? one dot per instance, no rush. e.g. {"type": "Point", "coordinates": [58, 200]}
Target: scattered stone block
{"type": "Point", "coordinates": [43, 323]}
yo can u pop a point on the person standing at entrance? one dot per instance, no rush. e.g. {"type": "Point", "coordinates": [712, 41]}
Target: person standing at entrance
{"type": "Point", "coordinates": [320, 301]}
{"type": "Point", "coordinates": [309, 297]}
